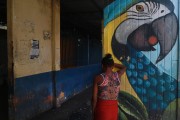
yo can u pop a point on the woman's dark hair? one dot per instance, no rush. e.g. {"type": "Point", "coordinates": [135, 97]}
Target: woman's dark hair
{"type": "Point", "coordinates": [108, 60]}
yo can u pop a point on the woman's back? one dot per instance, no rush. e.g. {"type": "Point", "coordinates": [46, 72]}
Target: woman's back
{"type": "Point", "coordinates": [109, 88]}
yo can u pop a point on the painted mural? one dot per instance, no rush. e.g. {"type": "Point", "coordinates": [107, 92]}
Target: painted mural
{"type": "Point", "coordinates": [143, 35]}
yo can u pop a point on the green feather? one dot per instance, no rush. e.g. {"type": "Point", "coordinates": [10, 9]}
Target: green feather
{"type": "Point", "coordinates": [132, 106]}
{"type": "Point", "coordinates": [121, 115]}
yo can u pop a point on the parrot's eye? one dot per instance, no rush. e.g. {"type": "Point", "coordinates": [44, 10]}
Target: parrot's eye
{"type": "Point", "coordinates": [162, 11]}
{"type": "Point", "coordinates": [139, 8]}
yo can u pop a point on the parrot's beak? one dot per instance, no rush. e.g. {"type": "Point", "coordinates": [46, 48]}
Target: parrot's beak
{"type": "Point", "coordinates": [163, 30]}
{"type": "Point", "coordinates": [166, 30]}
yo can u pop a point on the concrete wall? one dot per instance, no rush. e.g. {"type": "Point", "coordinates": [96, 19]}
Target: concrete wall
{"type": "Point", "coordinates": [70, 82]}
{"type": "Point", "coordinates": [30, 20]}
{"type": "Point", "coordinates": [30, 67]}
{"type": "Point", "coordinates": [36, 83]}
{"type": "Point", "coordinates": [144, 36]}
{"type": "Point", "coordinates": [34, 93]}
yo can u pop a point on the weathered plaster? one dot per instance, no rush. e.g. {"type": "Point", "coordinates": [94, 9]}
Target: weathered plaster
{"type": "Point", "coordinates": [28, 24]}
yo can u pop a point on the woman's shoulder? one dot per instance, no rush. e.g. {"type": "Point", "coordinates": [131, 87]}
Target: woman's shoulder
{"type": "Point", "coordinates": [115, 73]}
{"type": "Point", "coordinates": [98, 79]}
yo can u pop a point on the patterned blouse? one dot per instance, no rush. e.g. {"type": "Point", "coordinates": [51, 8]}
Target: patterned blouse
{"type": "Point", "coordinates": [109, 88]}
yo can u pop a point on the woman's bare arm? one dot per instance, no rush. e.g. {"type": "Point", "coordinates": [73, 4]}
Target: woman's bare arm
{"type": "Point", "coordinates": [94, 94]}
{"type": "Point", "coordinates": [121, 68]}
{"type": "Point", "coordinates": [98, 79]}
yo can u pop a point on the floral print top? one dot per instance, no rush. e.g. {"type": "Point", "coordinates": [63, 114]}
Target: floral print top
{"type": "Point", "coordinates": [109, 88]}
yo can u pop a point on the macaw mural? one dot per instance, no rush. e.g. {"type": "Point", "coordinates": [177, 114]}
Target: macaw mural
{"type": "Point", "coordinates": [143, 35]}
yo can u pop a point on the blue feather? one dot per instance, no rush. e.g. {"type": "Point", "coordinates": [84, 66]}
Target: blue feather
{"type": "Point", "coordinates": [157, 90]}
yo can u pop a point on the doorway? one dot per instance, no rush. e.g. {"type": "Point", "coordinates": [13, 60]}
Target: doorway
{"type": "Point", "coordinates": [3, 61]}
{"type": "Point", "coordinates": [81, 32]}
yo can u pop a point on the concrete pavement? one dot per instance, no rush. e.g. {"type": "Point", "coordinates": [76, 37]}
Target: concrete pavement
{"type": "Point", "coordinates": [76, 108]}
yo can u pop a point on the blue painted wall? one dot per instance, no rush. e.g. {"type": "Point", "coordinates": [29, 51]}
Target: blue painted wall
{"type": "Point", "coordinates": [31, 93]}
{"type": "Point", "coordinates": [72, 81]}
{"type": "Point", "coordinates": [34, 94]}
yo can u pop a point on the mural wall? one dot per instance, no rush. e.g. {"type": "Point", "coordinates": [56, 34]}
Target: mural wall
{"type": "Point", "coordinates": [143, 35]}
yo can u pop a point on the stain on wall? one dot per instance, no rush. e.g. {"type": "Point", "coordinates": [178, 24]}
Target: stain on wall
{"type": "Point", "coordinates": [143, 35]}
{"type": "Point", "coordinates": [46, 35]}
{"type": "Point", "coordinates": [32, 91]}
{"type": "Point", "coordinates": [37, 80]}
{"type": "Point", "coordinates": [70, 82]}
{"type": "Point", "coordinates": [45, 7]}
{"type": "Point", "coordinates": [29, 24]}
{"type": "Point", "coordinates": [33, 95]}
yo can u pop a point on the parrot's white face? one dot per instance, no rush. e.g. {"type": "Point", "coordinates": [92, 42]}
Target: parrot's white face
{"type": "Point", "coordinates": [139, 14]}
{"type": "Point", "coordinates": [147, 24]}
{"type": "Point", "coordinates": [147, 11]}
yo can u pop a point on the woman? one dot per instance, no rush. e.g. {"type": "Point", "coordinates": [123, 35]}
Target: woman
{"type": "Point", "coordinates": [106, 87]}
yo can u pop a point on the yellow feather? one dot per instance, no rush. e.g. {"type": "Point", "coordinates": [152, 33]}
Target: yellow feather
{"type": "Point", "coordinates": [107, 37]}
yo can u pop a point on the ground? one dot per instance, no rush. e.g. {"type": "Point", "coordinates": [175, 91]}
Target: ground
{"type": "Point", "coordinates": [76, 108]}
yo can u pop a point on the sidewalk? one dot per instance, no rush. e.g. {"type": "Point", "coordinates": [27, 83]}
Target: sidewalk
{"type": "Point", "coordinates": [76, 108]}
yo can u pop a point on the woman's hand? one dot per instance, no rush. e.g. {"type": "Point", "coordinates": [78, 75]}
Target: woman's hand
{"type": "Point", "coordinates": [121, 68]}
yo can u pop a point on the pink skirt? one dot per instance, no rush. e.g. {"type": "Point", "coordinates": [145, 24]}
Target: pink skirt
{"type": "Point", "coordinates": [106, 110]}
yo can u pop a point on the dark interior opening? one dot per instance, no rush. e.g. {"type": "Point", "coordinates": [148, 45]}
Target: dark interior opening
{"type": "Point", "coordinates": [3, 61]}
{"type": "Point", "coordinates": [81, 32]}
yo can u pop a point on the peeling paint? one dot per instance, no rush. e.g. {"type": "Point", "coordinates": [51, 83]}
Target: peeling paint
{"type": "Point", "coordinates": [60, 98]}
{"type": "Point", "coordinates": [32, 82]}
{"type": "Point", "coordinates": [28, 23]}
{"type": "Point", "coordinates": [29, 26]}
{"type": "Point", "coordinates": [22, 51]}
{"type": "Point", "coordinates": [20, 100]}
{"type": "Point", "coordinates": [68, 86]}
{"type": "Point", "coordinates": [46, 35]}
{"type": "Point", "coordinates": [15, 101]}
{"type": "Point", "coordinates": [44, 5]}
{"type": "Point", "coordinates": [48, 99]}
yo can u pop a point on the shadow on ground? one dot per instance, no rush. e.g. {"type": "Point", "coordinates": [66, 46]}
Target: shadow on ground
{"type": "Point", "coordinates": [76, 108]}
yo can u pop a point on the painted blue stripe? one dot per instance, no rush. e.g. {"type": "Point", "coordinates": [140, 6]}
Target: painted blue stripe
{"type": "Point", "coordinates": [72, 81]}
{"type": "Point", "coordinates": [33, 91]}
